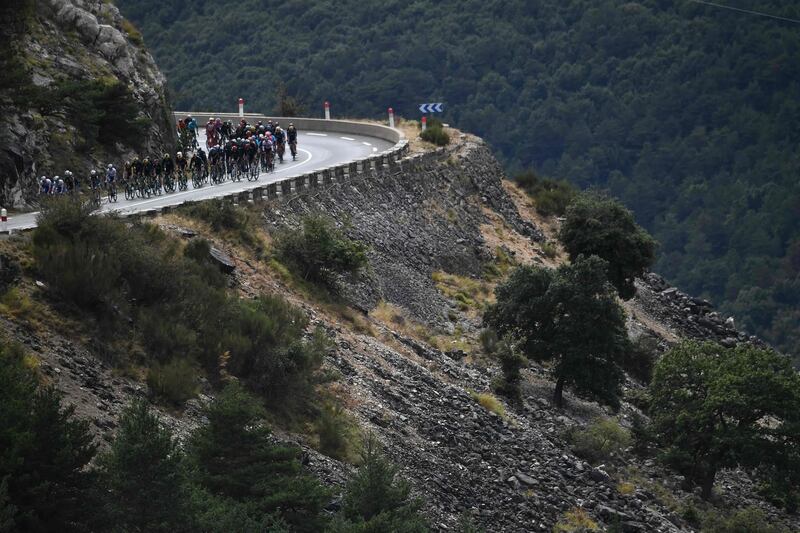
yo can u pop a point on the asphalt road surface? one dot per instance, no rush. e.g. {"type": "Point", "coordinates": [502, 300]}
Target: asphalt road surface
{"type": "Point", "coordinates": [316, 151]}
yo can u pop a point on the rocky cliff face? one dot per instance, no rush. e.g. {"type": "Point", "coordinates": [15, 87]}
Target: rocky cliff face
{"type": "Point", "coordinates": [69, 64]}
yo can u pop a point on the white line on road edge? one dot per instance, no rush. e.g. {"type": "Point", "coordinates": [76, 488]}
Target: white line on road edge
{"type": "Point", "coordinates": [318, 134]}
{"type": "Point", "coordinates": [347, 138]}
{"type": "Point", "coordinates": [366, 143]}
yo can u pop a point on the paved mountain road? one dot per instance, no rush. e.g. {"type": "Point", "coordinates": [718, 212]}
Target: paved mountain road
{"type": "Point", "coordinates": [316, 151]}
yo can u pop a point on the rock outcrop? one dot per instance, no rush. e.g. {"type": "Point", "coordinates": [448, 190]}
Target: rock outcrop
{"type": "Point", "coordinates": [51, 42]}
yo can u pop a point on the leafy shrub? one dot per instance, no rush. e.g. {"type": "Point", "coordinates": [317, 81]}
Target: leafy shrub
{"type": "Point", "coordinates": [640, 358]}
{"type": "Point", "coordinates": [221, 216]}
{"type": "Point", "coordinates": [176, 302]}
{"type": "Point", "coordinates": [436, 135]}
{"type": "Point", "coordinates": [319, 250]}
{"type": "Point", "coordinates": [749, 520]}
{"type": "Point", "coordinates": [550, 249]}
{"type": "Point", "coordinates": [489, 340]}
{"type": "Point", "coordinates": [175, 381]}
{"type": "Point", "coordinates": [551, 196]}
{"type": "Point", "coordinates": [335, 430]}
{"type": "Point", "coordinates": [600, 440]}
{"type": "Point", "coordinates": [511, 362]}
{"type": "Point", "coordinates": [132, 32]}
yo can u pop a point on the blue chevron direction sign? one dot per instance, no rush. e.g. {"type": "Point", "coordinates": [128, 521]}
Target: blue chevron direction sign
{"type": "Point", "coordinates": [431, 108]}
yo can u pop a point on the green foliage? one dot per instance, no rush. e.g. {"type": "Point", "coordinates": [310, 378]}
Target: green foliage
{"type": "Point", "coordinates": [335, 430]}
{"type": "Point", "coordinates": [320, 250]}
{"type": "Point", "coordinates": [551, 196]}
{"type": "Point", "coordinates": [569, 316]}
{"type": "Point", "coordinates": [177, 302]}
{"type": "Point", "coordinates": [748, 520]}
{"type": "Point", "coordinates": [602, 438]}
{"type": "Point", "coordinates": [141, 475]}
{"type": "Point", "coordinates": [435, 134]}
{"type": "Point", "coordinates": [601, 226]}
{"type": "Point", "coordinates": [685, 112]}
{"type": "Point", "coordinates": [174, 382]}
{"type": "Point", "coordinates": [639, 359]}
{"type": "Point", "coordinates": [511, 363]}
{"type": "Point", "coordinates": [237, 471]}
{"type": "Point", "coordinates": [222, 215]}
{"type": "Point", "coordinates": [716, 408]}
{"type": "Point", "coordinates": [43, 452]}
{"type": "Point", "coordinates": [377, 500]}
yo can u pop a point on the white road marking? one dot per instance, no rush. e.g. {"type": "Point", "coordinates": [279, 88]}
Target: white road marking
{"type": "Point", "coordinates": [347, 138]}
{"type": "Point", "coordinates": [374, 149]}
{"type": "Point", "coordinates": [366, 143]}
{"type": "Point", "coordinates": [318, 134]}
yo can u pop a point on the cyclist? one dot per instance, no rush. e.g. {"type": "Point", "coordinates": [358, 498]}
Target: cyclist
{"type": "Point", "coordinates": [227, 130]}
{"type": "Point", "coordinates": [70, 181]}
{"type": "Point", "coordinates": [265, 147]}
{"type": "Point", "coordinates": [180, 162]}
{"type": "Point", "coordinates": [215, 155]}
{"type": "Point", "coordinates": [280, 138]}
{"type": "Point", "coordinates": [167, 166]}
{"type": "Point", "coordinates": [45, 186]}
{"type": "Point", "coordinates": [136, 166]}
{"type": "Point", "coordinates": [270, 126]}
{"type": "Point", "coordinates": [191, 125]}
{"type": "Point", "coordinates": [127, 171]}
{"type": "Point", "coordinates": [111, 176]}
{"type": "Point", "coordinates": [211, 134]}
{"type": "Point", "coordinates": [291, 136]}
{"type": "Point", "coordinates": [94, 180]}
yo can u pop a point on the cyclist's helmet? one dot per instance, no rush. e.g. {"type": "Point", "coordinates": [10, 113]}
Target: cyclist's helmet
{"type": "Point", "coordinates": [56, 178]}
{"type": "Point", "coordinates": [146, 160]}
{"type": "Point", "coordinates": [166, 156]}
{"type": "Point", "coordinates": [67, 173]}
{"type": "Point", "coordinates": [93, 173]}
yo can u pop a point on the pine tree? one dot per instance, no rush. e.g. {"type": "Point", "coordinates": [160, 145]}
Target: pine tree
{"type": "Point", "coordinates": [376, 500]}
{"type": "Point", "coordinates": [142, 475]}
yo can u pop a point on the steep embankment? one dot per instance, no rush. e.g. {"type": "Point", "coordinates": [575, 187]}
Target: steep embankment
{"type": "Point", "coordinates": [440, 232]}
{"type": "Point", "coordinates": [78, 90]}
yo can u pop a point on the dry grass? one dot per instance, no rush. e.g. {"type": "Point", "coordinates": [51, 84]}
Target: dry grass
{"type": "Point", "coordinates": [626, 488]}
{"type": "Point", "coordinates": [489, 402]}
{"type": "Point", "coordinates": [472, 296]}
{"type": "Point", "coordinates": [575, 520]}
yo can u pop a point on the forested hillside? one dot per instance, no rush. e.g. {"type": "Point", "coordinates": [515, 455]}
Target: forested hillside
{"type": "Point", "coordinates": [687, 112]}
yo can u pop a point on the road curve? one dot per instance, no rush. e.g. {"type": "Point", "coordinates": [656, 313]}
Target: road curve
{"type": "Point", "coordinates": [316, 151]}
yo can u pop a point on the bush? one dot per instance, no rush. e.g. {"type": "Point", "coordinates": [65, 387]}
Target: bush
{"type": "Point", "coordinates": [320, 251]}
{"type": "Point", "coordinates": [511, 362]}
{"type": "Point", "coordinates": [335, 431]}
{"type": "Point", "coordinates": [436, 135]}
{"type": "Point", "coordinates": [222, 215]}
{"type": "Point", "coordinates": [174, 382]}
{"type": "Point", "coordinates": [748, 520]}
{"type": "Point", "coordinates": [600, 440]}
{"type": "Point", "coordinates": [551, 196]}
{"type": "Point", "coordinates": [638, 361]}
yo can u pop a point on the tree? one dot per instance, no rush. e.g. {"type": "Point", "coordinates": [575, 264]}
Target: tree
{"type": "Point", "coordinates": [569, 316]}
{"type": "Point", "coordinates": [715, 407]}
{"type": "Point", "coordinates": [601, 226]}
{"type": "Point", "coordinates": [238, 471]}
{"type": "Point", "coordinates": [376, 500]}
{"type": "Point", "coordinates": [43, 452]}
{"type": "Point", "coordinates": [141, 475]}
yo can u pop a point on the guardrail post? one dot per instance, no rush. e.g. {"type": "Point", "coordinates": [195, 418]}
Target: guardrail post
{"type": "Point", "coordinates": [327, 110]}
{"type": "Point", "coordinates": [4, 219]}
{"type": "Point", "coordinates": [424, 123]}
{"type": "Point", "coordinates": [391, 117]}
{"type": "Point", "coordinates": [241, 107]}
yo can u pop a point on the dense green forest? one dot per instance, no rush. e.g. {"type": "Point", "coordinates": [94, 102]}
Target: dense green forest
{"type": "Point", "coordinates": [686, 112]}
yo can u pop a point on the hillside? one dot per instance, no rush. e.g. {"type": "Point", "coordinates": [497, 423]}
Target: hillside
{"type": "Point", "coordinates": [401, 355]}
{"type": "Point", "coordinates": [78, 91]}
{"type": "Point", "coordinates": [683, 111]}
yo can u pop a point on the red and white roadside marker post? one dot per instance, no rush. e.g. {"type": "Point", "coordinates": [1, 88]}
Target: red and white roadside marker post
{"type": "Point", "coordinates": [4, 219]}
{"type": "Point", "coordinates": [391, 117]}
{"type": "Point", "coordinates": [327, 110]}
{"type": "Point", "coordinates": [241, 107]}
{"type": "Point", "coordinates": [424, 123]}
